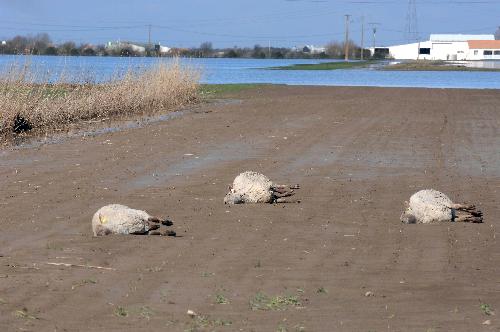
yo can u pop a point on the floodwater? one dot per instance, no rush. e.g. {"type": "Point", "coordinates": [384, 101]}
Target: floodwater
{"type": "Point", "coordinates": [223, 71]}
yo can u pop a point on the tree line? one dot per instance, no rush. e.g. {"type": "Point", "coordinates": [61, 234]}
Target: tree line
{"type": "Point", "coordinates": [41, 44]}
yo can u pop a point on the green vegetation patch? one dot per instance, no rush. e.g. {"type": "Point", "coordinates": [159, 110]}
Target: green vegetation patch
{"type": "Point", "coordinates": [431, 65]}
{"type": "Point", "coordinates": [121, 312]}
{"type": "Point", "coordinates": [486, 309]}
{"type": "Point", "coordinates": [205, 322]}
{"type": "Point", "coordinates": [215, 90]}
{"type": "Point", "coordinates": [221, 299]}
{"type": "Point", "coordinates": [280, 302]}
{"type": "Point", "coordinates": [24, 314]}
{"type": "Point", "coordinates": [326, 66]}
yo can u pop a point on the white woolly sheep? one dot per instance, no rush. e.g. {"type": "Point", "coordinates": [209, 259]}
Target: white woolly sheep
{"type": "Point", "coordinates": [253, 187]}
{"type": "Point", "coordinates": [431, 206]}
{"type": "Point", "coordinates": [120, 219]}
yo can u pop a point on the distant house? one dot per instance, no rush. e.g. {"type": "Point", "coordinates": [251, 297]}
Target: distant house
{"type": "Point", "coordinates": [444, 47]}
{"type": "Point", "coordinates": [4, 42]}
{"type": "Point", "coordinates": [125, 45]}
{"type": "Point", "coordinates": [484, 49]}
{"type": "Point", "coordinates": [162, 50]}
{"type": "Point", "coordinates": [313, 49]}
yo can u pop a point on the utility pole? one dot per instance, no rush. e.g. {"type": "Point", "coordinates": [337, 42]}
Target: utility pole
{"type": "Point", "coordinates": [269, 50]}
{"type": "Point", "coordinates": [362, 37]}
{"type": "Point", "coordinates": [149, 37]}
{"type": "Point", "coordinates": [346, 44]}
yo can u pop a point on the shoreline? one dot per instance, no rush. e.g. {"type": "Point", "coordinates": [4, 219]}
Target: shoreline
{"type": "Point", "coordinates": [210, 95]}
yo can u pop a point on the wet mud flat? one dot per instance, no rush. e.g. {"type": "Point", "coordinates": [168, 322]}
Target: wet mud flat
{"type": "Point", "coordinates": [340, 260]}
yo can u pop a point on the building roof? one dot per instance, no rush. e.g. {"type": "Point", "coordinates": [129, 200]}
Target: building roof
{"type": "Point", "coordinates": [484, 44]}
{"type": "Point", "coordinates": [459, 38]}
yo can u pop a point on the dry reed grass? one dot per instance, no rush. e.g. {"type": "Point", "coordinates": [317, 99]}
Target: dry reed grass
{"type": "Point", "coordinates": [35, 104]}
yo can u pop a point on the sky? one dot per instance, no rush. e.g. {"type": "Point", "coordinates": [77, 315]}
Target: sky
{"type": "Point", "coordinates": [228, 23]}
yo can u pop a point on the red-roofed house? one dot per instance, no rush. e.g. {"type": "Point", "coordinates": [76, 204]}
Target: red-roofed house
{"type": "Point", "coordinates": [484, 50]}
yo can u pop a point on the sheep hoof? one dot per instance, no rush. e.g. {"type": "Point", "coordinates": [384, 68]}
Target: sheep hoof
{"type": "Point", "coordinates": [167, 222]}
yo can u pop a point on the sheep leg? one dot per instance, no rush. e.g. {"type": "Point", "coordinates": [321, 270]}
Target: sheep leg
{"type": "Point", "coordinates": [279, 187]}
{"type": "Point", "coordinates": [282, 191]}
{"type": "Point", "coordinates": [467, 213]}
{"type": "Point", "coordinates": [157, 220]}
{"type": "Point", "coordinates": [162, 232]}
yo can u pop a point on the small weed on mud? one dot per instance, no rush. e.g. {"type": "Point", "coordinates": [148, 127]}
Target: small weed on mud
{"type": "Point", "coordinates": [24, 314]}
{"type": "Point", "coordinates": [203, 322]}
{"type": "Point", "coordinates": [263, 302]}
{"type": "Point", "coordinates": [486, 309]}
{"type": "Point", "coordinates": [322, 290]}
{"type": "Point", "coordinates": [146, 312]}
{"type": "Point", "coordinates": [207, 274]}
{"type": "Point", "coordinates": [54, 246]}
{"type": "Point", "coordinates": [221, 299]}
{"type": "Point", "coordinates": [121, 312]}
{"type": "Point", "coordinates": [296, 328]}
{"type": "Point", "coordinates": [89, 281]}
{"type": "Point", "coordinates": [281, 328]}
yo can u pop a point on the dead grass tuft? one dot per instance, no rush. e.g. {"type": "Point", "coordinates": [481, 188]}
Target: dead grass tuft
{"type": "Point", "coordinates": [32, 103]}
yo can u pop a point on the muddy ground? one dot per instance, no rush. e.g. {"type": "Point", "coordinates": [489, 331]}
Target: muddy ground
{"type": "Point", "coordinates": [358, 154]}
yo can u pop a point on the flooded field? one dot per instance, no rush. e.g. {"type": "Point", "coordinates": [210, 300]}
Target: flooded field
{"type": "Point", "coordinates": [222, 71]}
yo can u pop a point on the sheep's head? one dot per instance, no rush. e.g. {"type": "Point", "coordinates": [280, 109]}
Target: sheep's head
{"type": "Point", "coordinates": [232, 197]}
{"type": "Point", "coordinates": [407, 217]}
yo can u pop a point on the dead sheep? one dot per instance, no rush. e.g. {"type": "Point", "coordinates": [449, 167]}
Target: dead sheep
{"type": "Point", "coordinates": [431, 206]}
{"type": "Point", "coordinates": [120, 219]}
{"type": "Point", "coordinates": [253, 187]}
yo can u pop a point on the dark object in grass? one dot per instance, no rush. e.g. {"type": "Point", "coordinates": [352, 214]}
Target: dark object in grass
{"type": "Point", "coordinates": [21, 125]}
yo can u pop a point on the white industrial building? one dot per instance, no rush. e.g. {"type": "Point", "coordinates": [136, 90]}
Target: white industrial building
{"type": "Point", "coordinates": [446, 47]}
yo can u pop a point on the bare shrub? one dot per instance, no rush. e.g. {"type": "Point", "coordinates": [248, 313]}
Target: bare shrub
{"type": "Point", "coordinates": [31, 101]}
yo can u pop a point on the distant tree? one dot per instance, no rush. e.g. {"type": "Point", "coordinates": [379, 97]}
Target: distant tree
{"type": "Point", "coordinates": [258, 52]}
{"type": "Point", "coordinates": [18, 45]}
{"type": "Point", "coordinates": [88, 51]}
{"type": "Point", "coordinates": [40, 43]}
{"type": "Point", "coordinates": [335, 50]}
{"type": "Point", "coordinates": [277, 54]}
{"type": "Point", "coordinates": [66, 48]}
{"type": "Point", "coordinates": [51, 50]}
{"type": "Point", "coordinates": [497, 34]}
{"type": "Point", "coordinates": [101, 50]}
{"type": "Point", "coordinates": [206, 49]}
{"type": "Point", "coordinates": [231, 54]}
